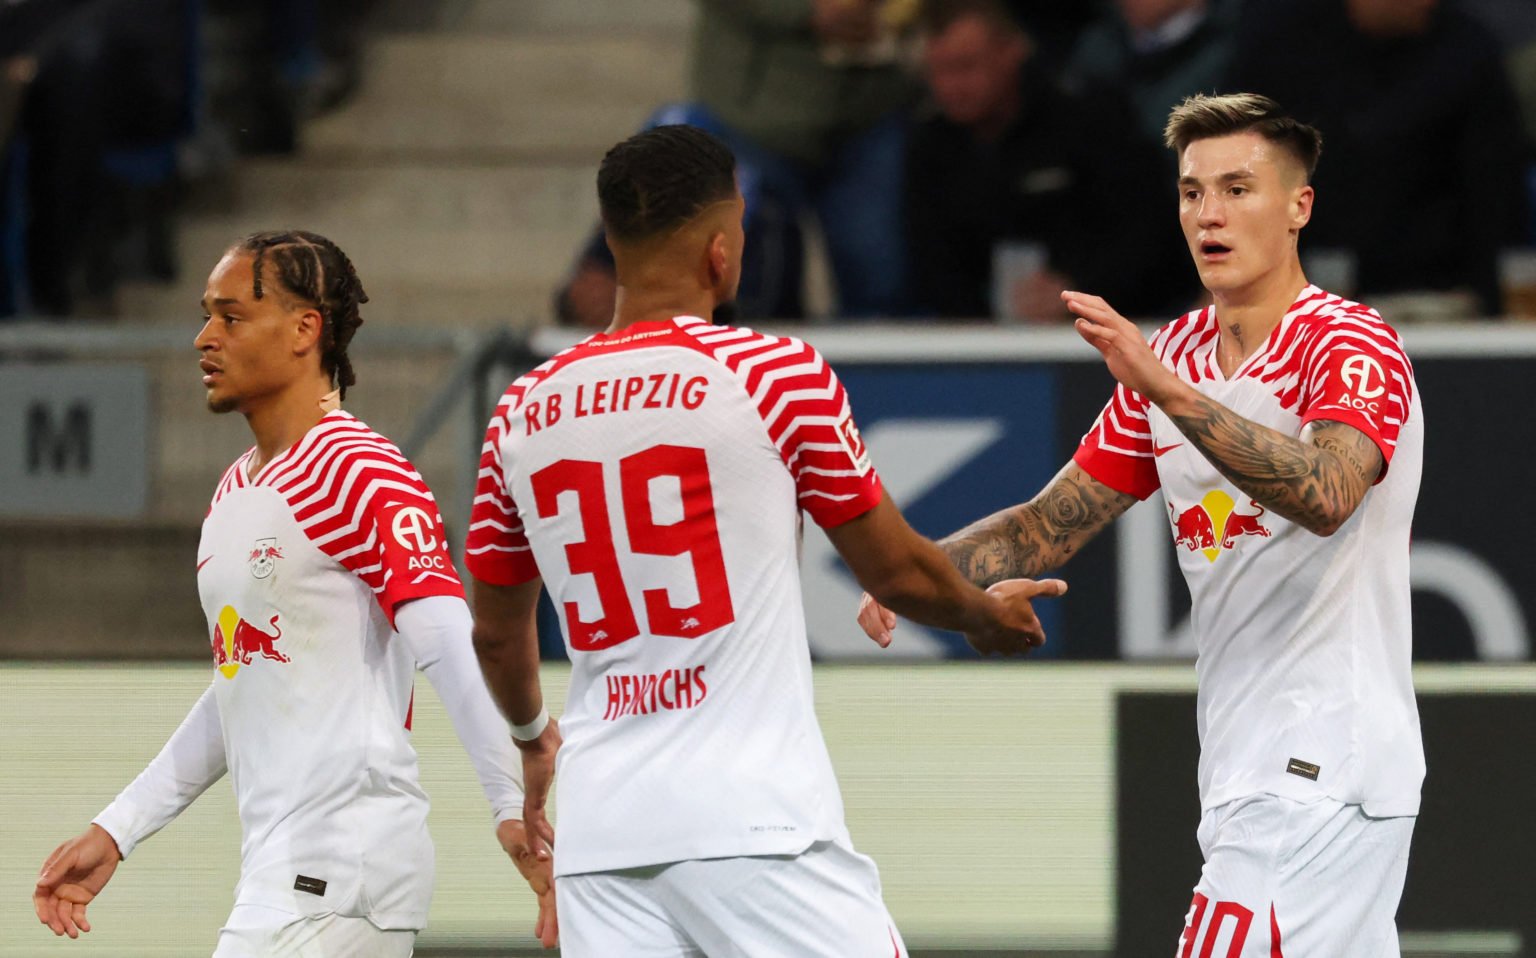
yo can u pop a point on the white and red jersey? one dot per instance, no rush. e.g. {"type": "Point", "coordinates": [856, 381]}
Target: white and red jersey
{"type": "Point", "coordinates": [1304, 641]}
{"type": "Point", "coordinates": [654, 479]}
{"type": "Point", "coordinates": [301, 569]}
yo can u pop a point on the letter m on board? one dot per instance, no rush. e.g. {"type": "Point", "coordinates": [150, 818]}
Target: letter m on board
{"type": "Point", "coordinates": [58, 446]}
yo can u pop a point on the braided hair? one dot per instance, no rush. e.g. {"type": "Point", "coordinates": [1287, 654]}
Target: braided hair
{"type": "Point", "coordinates": [314, 269]}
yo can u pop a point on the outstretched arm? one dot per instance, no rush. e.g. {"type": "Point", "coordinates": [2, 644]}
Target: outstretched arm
{"type": "Point", "coordinates": [908, 573]}
{"type": "Point", "coordinates": [1316, 481]}
{"type": "Point", "coordinates": [1020, 542]}
{"type": "Point", "coordinates": [1038, 536]}
{"type": "Point", "coordinates": [192, 759]}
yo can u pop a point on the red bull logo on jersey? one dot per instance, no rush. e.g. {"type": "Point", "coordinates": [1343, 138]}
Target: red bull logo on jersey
{"type": "Point", "coordinates": [236, 640]}
{"type": "Point", "coordinates": [1215, 524]}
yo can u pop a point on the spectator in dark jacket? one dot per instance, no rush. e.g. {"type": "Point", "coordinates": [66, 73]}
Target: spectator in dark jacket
{"type": "Point", "coordinates": [1004, 156]}
{"type": "Point", "coordinates": [1424, 179]}
{"type": "Point", "coordinates": [99, 74]}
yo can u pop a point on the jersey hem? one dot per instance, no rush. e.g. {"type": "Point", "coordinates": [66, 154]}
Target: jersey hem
{"type": "Point", "coordinates": [579, 864]}
{"type": "Point", "coordinates": [403, 919]}
{"type": "Point", "coordinates": [1402, 806]}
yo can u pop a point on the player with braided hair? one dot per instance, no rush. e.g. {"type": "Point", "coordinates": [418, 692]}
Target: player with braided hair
{"type": "Point", "coordinates": [324, 573]}
{"type": "Point", "coordinates": [312, 268]}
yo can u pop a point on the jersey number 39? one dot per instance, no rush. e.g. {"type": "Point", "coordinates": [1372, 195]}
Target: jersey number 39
{"type": "Point", "coordinates": [696, 534]}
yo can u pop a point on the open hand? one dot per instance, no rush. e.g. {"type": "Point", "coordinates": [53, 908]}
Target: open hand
{"type": "Point", "coordinates": [538, 873]}
{"type": "Point", "coordinates": [1125, 351]}
{"type": "Point", "coordinates": [71, 878]}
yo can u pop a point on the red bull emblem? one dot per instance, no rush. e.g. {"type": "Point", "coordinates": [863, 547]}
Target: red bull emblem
{"type": "Point", "coordinates": [1215, 524]}
{"type": "Point", "coordinates": [235, 640]}
{"type": "Point", "coordinates": [263, 556]}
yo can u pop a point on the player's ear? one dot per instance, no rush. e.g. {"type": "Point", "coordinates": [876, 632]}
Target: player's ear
{"type": "Point", "coordinates": [1301, 206]}
{"type": "Point", "coordinates": [307, 326]}
{"type": "Point", "coordinates": [717, 259]}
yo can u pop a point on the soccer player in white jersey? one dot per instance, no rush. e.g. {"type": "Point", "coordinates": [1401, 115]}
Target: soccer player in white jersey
{"type": "Point", "coordinates": [326, 582]}
{"type": "Point", "coordinates": [653, 477]}
{"type": "Point", "coordinates": [1283, 426]}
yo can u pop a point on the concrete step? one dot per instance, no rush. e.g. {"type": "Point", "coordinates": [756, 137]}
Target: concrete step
{"type": "Point", "coordinates": [474, 256]}
{"type": "Point", "coordinates": [73, 591]}
{"type": "Point", "coordinates": [482, 305]}
{"type": "Point", "coordinates": [502, 95]}
{"type": "Point", "coordinates": [587, 16]}
{"type": "Point", "coordinates": [190, 447]}
{"type": "Point", "coordinates": [461, 195]}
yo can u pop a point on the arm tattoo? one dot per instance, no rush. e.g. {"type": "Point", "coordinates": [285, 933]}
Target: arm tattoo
{"type": "Point", "coordinates": [1316, 485]}
{"type": "Point", "coordinates": [1031, 539]}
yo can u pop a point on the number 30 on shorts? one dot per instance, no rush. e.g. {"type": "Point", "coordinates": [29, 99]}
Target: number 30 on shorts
{"type": "Point", "coordinates": [696, 535]}
{"type": "Point", "coordinates": [1226, 915]}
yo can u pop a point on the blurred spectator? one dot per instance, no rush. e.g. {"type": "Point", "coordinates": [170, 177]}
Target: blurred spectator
{"type": "Point", "coordinates": [85, 76]}
{"type": "Point", "coordinates": [1055, 26]}
{"type": "Point", "coordinates": [770, 265]}
{"type": "Point", "coordinates": [1424, 180]}
{"type": "Point", "coordinates": [1055, 189]}
{"type": "Point", "coordinates": [1513, 23]}
{"type": "Point", "coordinates": [811, 94]}
{"type": "Point", "coordinates": [1156, 53]}
{"type": "Point", "coordinates": [280, 61]}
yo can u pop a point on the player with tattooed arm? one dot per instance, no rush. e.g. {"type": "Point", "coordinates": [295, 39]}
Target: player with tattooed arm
{"type": "Point", "coordinates": [1284, 429]}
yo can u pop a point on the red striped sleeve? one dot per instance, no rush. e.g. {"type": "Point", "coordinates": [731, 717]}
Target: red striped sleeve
{"type": "Point", "coordinates": [363, 504]}
{"type": "Point", "coordinates": [1117, 450]}
{"type": "Point", "coordinates": [1354, 370]}
{"type": "Point", "coordinates": [807, 416]}
{"type": "Point", "coordinates": [496, 550]}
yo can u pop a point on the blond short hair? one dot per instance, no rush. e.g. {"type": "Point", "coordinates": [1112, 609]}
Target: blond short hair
{"type": "Point", "coordinates": [1202, 117]}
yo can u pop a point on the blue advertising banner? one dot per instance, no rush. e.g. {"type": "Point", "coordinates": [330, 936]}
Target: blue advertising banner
{"type": "Point", "coordinates": [952, 443]}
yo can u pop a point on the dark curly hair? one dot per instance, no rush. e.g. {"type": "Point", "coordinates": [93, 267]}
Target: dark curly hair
{"type": "Point", "coordinates": [312, 268]}
{"type": "Point", "coordinates": [656, 181]}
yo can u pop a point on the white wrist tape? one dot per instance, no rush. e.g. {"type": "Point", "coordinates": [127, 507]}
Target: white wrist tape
{"type": "Point", "coordinates": [532, 730]}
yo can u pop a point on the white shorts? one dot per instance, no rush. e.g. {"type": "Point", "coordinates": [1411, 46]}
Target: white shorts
{"type": "Point", "coordinates": [256, 931]}
{"type": "Point", "coordinates": [1309, 880]}
{"type": "Point", "coordinates": [822, 903]}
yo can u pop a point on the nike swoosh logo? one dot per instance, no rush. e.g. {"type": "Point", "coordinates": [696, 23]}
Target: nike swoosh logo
{"type": "Point", "coordinates": [1159, 450]}
{"type": "Point", "coordinates": [203, 563]}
